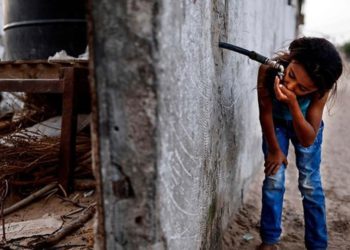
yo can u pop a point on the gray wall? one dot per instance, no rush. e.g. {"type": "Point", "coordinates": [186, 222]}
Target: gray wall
{"type": "Point", "coordinates": [178, 130]}
{"type": "Point", "coordinates": [209, 133]}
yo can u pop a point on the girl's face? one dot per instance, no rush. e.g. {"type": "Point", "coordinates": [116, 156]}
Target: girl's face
{"type": "Point", "coordinates": [297, 80]}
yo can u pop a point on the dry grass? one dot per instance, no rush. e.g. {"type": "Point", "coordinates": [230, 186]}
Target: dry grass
{"type": "Point", "coordinates": [28, 161]}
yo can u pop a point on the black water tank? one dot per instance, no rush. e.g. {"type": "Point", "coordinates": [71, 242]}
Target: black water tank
{"type": "Point", "coordinates": [37, 29]}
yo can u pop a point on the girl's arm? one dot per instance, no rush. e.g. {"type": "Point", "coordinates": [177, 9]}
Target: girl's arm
{"type": "Point", "coordinates": [306, 128]}
{"type": "Point", "coordinates": [275, 155]}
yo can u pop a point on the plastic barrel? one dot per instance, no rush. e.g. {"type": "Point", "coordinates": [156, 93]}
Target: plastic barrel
{"type": "Point", "coordinates": [37, 29]}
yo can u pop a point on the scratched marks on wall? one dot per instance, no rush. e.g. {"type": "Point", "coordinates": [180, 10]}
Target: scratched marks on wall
{"type": "Point", "coordinates": [184, 118]}
{"type": "Point", "coordinates": [185, 109]}
{"type": "Point", "coordinates": [178, 179]}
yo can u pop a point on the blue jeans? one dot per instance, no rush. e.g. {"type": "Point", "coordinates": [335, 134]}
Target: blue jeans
{"type": "Point", "coordinates": [308, 161]}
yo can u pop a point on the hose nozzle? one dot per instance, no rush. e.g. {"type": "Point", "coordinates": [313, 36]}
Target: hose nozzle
{"type": "Point", "coordinates": [274, 64]}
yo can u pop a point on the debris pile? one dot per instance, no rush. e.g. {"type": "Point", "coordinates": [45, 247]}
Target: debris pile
{"type": "Point", "coordinates": [29, 162]}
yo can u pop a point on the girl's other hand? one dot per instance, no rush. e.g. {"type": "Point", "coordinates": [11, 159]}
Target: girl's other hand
{"type": "Point", "coordinates": [282, 93]}
{"type": "Point", "coordinates": [274, 161]}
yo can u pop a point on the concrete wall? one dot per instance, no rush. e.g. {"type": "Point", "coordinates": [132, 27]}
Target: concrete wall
{"type": "Point", "coordinates": [209, 134]}
{"type": "Point", "coordinates": [177, 128]}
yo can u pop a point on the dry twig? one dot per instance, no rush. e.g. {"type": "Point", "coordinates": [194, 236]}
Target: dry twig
{"type": "Point", "coordinates": [30, 198]}
{"type": "Point", "coordinates": [3, 194]}
{"type": "Point", "coordinates": [71, 227]}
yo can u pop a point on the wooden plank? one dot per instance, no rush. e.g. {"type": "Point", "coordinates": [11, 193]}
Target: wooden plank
{"type": "Point", "coordinates": [32, 85]}
{"type": "Point", "coordinates": [68, 131]}
{"type": "Point", "coordinates": [36, 69]}
{"type": "Point", "coordinates": [74, 79]}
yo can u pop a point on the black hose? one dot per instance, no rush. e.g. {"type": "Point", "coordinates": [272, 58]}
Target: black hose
{"type": "Point", "coordinates": [251, 54]}
{"type": "Point", "coordinates": [255, 56]}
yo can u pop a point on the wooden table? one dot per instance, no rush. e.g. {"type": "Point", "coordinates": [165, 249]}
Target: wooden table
{"type": "Point", "coordinates": [61, 77]}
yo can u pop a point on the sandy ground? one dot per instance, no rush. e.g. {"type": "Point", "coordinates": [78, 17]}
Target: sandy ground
{"type": "Point", "coordinates": [242, 232]}
{"type": "Point", "coordinates": [53, 206]}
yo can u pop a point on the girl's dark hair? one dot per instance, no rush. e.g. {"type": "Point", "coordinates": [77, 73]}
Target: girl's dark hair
{"type": "Point", "coordinates": [320, 59]}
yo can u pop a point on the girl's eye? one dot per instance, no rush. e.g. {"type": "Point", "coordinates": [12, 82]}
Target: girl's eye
{"type": "Point", "coordinates": [291, 75]}
{"type": "Point", "coordinates": [302, 88]}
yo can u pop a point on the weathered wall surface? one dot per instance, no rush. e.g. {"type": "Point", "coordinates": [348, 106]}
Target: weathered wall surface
{"type": "Point", "coordinates": [209, 133]}
{"type": "Point", "coordinates": [126, 105]}
{"type": "Point", "coordinates": [178, 130]}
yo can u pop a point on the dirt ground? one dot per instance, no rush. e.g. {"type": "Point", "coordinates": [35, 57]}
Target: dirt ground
{"type": "Point", "coordinates": [52, 206]}
{"type": "Point", "coordinates": [242, 232]}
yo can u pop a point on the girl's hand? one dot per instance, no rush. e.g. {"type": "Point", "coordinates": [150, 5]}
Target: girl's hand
{"type": "Point", "coordinates": [282, 93]}
{"type": "Point", "coordinates": [274, 161]}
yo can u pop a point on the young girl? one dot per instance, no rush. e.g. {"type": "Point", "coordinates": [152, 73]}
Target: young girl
{"type": "Point", "coordinates": [291, 110]}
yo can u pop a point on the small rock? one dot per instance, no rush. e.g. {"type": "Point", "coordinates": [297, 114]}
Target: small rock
{"type": "Point", "coordinates": [248, 237]}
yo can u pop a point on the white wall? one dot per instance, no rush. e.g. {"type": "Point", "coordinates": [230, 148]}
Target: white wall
{"type": "Point", "coordinates": [209, 133]}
